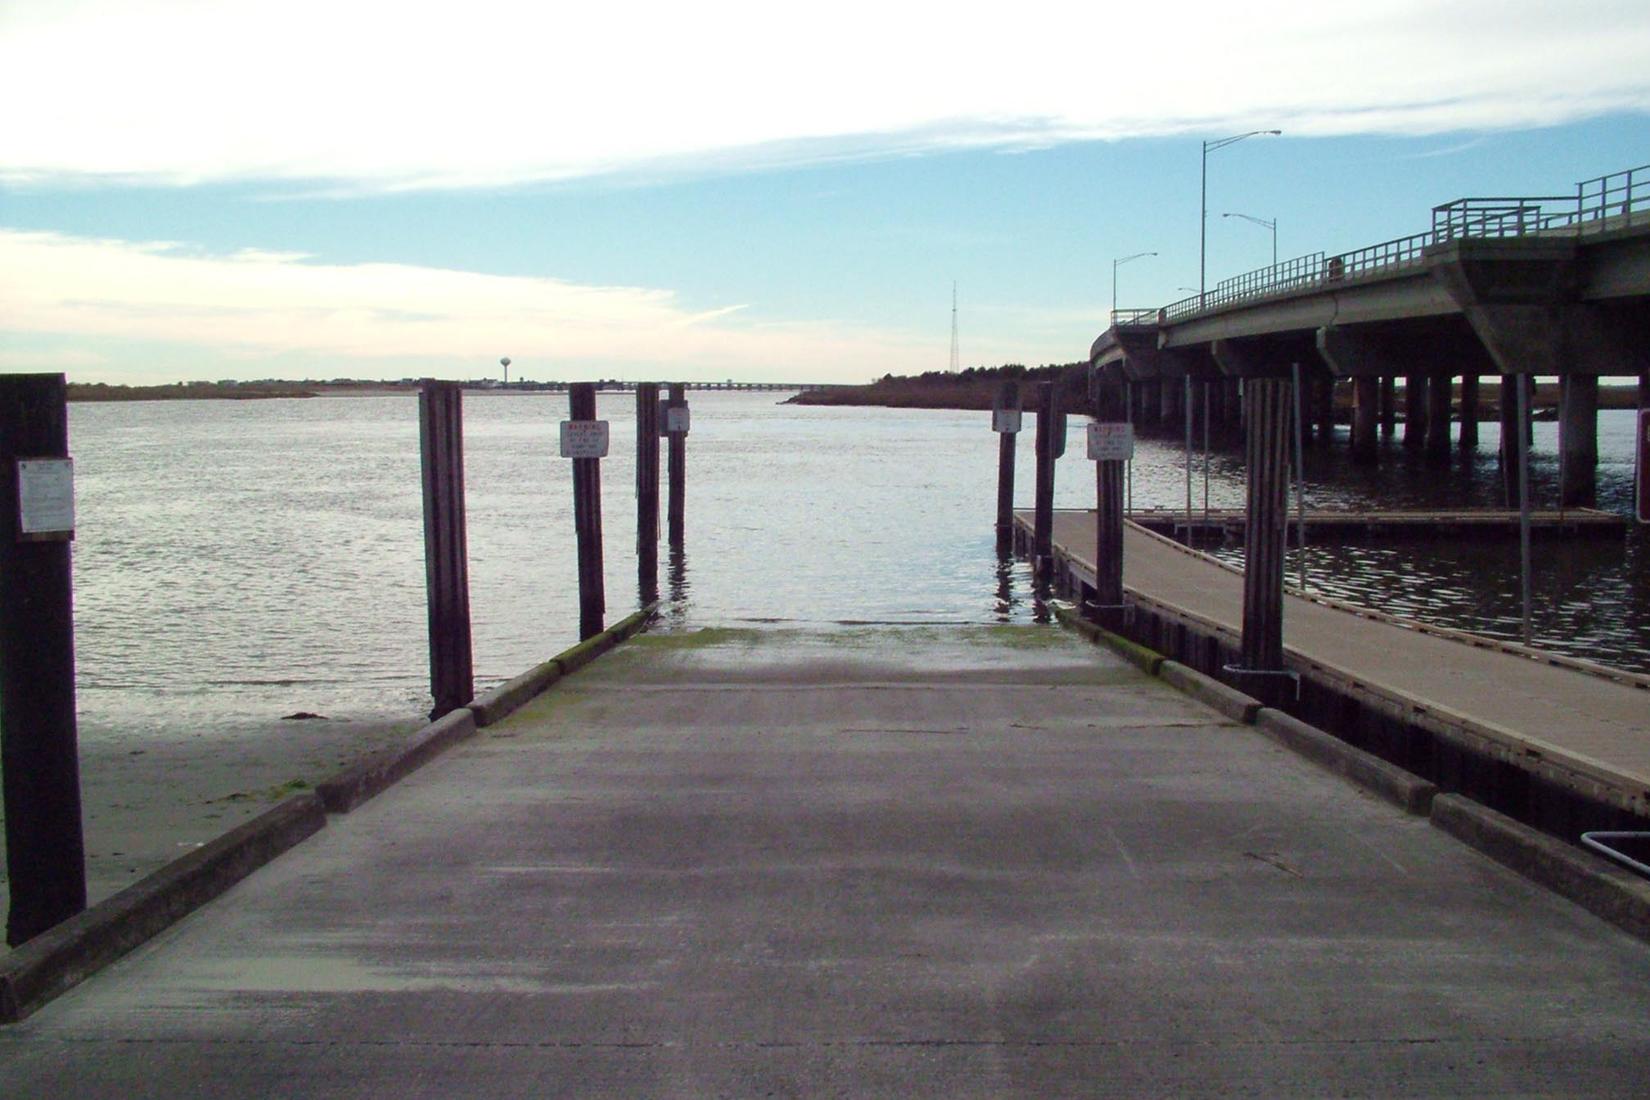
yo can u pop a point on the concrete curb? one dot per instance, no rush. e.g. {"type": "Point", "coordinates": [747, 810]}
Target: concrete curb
{"type": "Point", "coordinates": [1148, 661]}
{"type": "Point", "coordinates": [1370, 772]}
{"type": "Point", "coordinates": [495, 704]}
{"type": "Point", "coordinates": [1227, 699]}
{"type": "Point", "coordinates": [1603, 889]}
{"type": "Point", "coordinates": [360, 781]}
{"type": "Point", "coordinates": [64, 956]}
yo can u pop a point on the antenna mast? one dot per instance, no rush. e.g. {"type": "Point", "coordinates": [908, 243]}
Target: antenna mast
{"type": "Point", "coordinates": [956, 354]}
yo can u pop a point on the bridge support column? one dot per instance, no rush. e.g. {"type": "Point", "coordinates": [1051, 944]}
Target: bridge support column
{"type": "Point", "coordinates": [1234, 405]}
{"type": "Point", "coordinates": [1578, 440]}
{"type": "Point", "coordinates": [1415, 411]}
{"type": "Point", "coordinates": [1325, 396]}
{"type": "Point", "coordinates": [1389, 406]}
{"type": "Point", "coordinates": [1438, 400]}
{"type": "Point", "coordinates": [1469, 412]}
{"type": "Point", "coordinates": [1266, 456]}
{"type": "Point", "coordinates": [1364, 408]}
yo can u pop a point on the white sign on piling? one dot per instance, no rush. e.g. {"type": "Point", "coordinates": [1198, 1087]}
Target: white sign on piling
{"type": "Point", "coordinates": [1111, 441]}
{"type": "Point", "coordinates": [45, 498]}
{"type": "Point", "coordinates": [1005, 421]}
{"type": "Point", "coordinates": [584, 439]}
{"type": "Point", "coordinates": [676, 419]}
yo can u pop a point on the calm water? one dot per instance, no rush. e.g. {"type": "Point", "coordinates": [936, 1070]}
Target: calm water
{"type": "Point", "coordinates": [240, 560]}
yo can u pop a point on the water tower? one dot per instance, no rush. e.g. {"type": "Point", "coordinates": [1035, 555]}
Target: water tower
{"type": "Point", "coordinates": [505, 363]}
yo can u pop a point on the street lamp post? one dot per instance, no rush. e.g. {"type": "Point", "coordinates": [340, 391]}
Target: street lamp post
{"type": "Point", "coordinates": [1272, 225]}
{"type": "Point", "coordinates": [1203, 220]}
{"type": "Point", "coordinates": [1115, 264]}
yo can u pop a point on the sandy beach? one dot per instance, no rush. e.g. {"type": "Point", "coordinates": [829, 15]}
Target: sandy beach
{"type": "Point", "coordinates": [145, 802]}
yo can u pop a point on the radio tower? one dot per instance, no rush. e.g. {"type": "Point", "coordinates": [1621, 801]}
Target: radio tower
{"type": "Point", "coordinates": [956, 353]}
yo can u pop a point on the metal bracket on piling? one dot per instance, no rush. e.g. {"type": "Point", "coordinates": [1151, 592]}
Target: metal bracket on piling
{"type": "Point", "coordinates": [1595, 840]}
{"type": "Point", "coordinates": [1294, 677]}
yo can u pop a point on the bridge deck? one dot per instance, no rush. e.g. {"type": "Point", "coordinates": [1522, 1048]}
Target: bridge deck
{"type": "Point", "coordinates": [937, 861]}
{"type": "Point", "coordinates": [1598, 727]}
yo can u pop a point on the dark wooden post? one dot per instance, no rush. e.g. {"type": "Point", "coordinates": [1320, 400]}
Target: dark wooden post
{"type": "Point", "coordinates": [1006, 417]}
{"type": "Point", "coordinates": [1415, 411]}
{"type": "Point", "coordinates": [1365, 389]}
{"type": "Point", "coordinates": [678, 469]}
{"type": "Point", "coordinates": [1265, 533]}
{"type": "Point", "coordinates": [1389, 406]}
{"type": "Point", "coordinates": [1578, 440]}
{"type": "Point", "coordinates": [446, 554]}
{"type": "Point", "coordinates": [39, 756]}
{"type": "Point", "coordinates": [1438, 401]}
{"type": "Point", "coordinates": [1508, 449]}
{"type": "Point", "coordinates": [1469, 412]}
{"type": "Point", "coordinates": [587, 519]}
{"type": "Point", "coordinates": [1108, 540]}
{"type": "Point", "coordinates": [647, 491]}
{"type": "Point", "coordinates": [1050, 429]}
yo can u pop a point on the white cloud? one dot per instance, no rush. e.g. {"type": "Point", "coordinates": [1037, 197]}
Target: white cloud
{"type": "Point", "coordinates": [382, 95]}
{"type": "Point", "coordinates": [260, 306]}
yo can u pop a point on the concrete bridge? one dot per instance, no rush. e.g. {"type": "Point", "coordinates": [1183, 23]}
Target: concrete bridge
{"type": "Point", "coordinates": [1514, 288]}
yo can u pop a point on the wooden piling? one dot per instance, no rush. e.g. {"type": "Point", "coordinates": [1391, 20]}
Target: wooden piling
{"type": "Point", "coordinates": [1108, 565]}
{"type": "Point", "coordinates": [39, 754]}
{"type": "Point", "coordinates": [1578, 441]}
{"type": "Point", "coordinates": [1365, 399]}
{"type": "Point", "coordinates": [647, 491]}
{"type": "Point", "coordinates": [1048, 413]}
{"type": "Point", "coordinates": [1007, 401]}
{"type": "Point", "coordinates": [677, 462]}
{"type": "Point", "coordinates": [1508, 448]}
{"type": "Point", "coordinates": [1266, 412]}
{"type": "Point", "coordinates": [1438, 402]}
{"type": "Point", "coordinates": [446, 553]}
{"type": "Point", "coordinates": [587, 519]}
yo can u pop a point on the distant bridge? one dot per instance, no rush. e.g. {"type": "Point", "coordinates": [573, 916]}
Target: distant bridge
{"type": "Point", "coordinates": [1544, 285]}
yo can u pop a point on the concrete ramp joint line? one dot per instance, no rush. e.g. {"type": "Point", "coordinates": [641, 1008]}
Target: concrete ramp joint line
{"type": "Point", "coordinates": [59, 959]}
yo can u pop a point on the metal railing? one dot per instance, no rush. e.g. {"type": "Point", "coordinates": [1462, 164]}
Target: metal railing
{"type": "Point", "coordinates": [1619, 200]}
{"type": "Point", "coordinates": [1134, 316]}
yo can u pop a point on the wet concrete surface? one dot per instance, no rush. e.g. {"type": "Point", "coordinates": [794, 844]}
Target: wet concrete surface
{"type": "Point", "coordinates": [865, 861]}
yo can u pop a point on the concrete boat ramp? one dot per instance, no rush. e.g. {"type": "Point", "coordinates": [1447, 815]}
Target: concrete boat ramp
{"type": "Point", "coordinates": [970, 861]}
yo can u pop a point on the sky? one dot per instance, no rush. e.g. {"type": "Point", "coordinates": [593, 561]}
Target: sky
{"type": "Point", "coordinates": [212, 189]}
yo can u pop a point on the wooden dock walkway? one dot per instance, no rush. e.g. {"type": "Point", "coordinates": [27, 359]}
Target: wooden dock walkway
{"type": "Point", "coordinates": [1565, 718]}
{"type": "Point", "coordinates": [1454, 524]}
{"type": "Point", "coordinates": [940, 861]}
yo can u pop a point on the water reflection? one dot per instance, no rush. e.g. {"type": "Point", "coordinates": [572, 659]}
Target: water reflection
{"type": "Point", "coordinates": [676, 611]}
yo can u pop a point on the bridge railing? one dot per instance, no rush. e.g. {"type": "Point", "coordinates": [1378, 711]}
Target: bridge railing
{"type": "Point", "coordinates": [1134, 316]}
{"type": "Point", "coordinates": [1614, 201]}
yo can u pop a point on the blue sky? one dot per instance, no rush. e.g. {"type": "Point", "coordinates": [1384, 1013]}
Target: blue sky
{"type": "Point", "coordinates": [307, 190]}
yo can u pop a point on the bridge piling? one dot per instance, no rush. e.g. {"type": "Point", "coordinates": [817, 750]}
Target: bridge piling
{"type": "Point", "coordinates": [1415, 412]}
{"type": "Point", "coordinates": [1469, 412]}
{"type": "Point", "coordinates": [1389, 406]}
{"type": "Point", "coordinates": [1508, 450]}
{"type": "Point", "coordinates": [1365, 390]}
{"type": "Point", "coordinates": [1578, 440]}
{"type": "Point", "coordinates": [1437, 414]}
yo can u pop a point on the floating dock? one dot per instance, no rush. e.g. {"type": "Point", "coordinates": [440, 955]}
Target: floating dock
{"type": "Point", "coordinates": [1581, 726]}
{"type": "Point", "coordinates": [1229, 523]}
